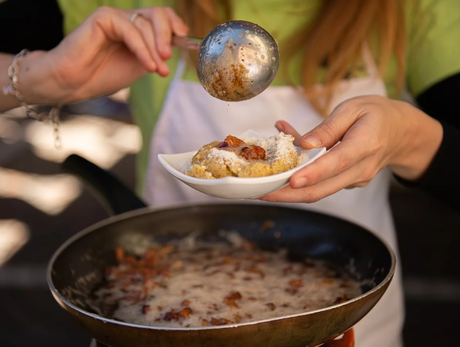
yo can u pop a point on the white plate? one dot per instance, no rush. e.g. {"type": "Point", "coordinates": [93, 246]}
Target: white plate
{"type": "Point", "coordinates": [233, 187]}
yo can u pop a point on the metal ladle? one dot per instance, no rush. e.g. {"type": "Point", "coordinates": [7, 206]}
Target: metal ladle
{"type": "Point", "coordinates": [236, 61]}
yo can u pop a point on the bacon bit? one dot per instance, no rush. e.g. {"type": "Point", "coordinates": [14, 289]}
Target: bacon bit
{"type": "Point", "coordinates": [247, 246]}
{"type": "Point", "coordinates": [145, 309]}
{"type": "Point", "coordinates": [204, 323]}
{"type": "Point", "coordinates": [291, 290]}
{"type": "Point", "coordinates": [228, 260]}
{"type": "Point", "coordinates": [237, 318]}
{"type": "Point", "coordinates": [160, 308]}
{"type": "Point", "coordinates": [288, 270]}
{"type": "Point", "coordinates": [185, 312]}
{"type": "Point", "coordinates": [157, 320]}
{"type": "Point", "coordinates": [235, 296]}
{"type": "Point", "coordinates": [256, 271]}
{"type": "Point", "coordinates": [285, 305]}
{"type": "Point", "coordinates": [268, 224]}
{"type": "Point", "coordinates": [213, 273]}
{"type": "Point", "coordinates": [222, 144]}
{"type": "Point", "coordinates": [253, 298]}
{"type": "Point", "coordinates": [164, 273]}
{"type": "Point", "coordinates": [220, 321]}
{"type": "Point", "coordinates": [215, 307]}
{"type": "Point", "coordinates": [328, 280]}
{"type": "Point", "coordinates": [185, 303]}
{"type": "Point", "coordinates": [296, 283]}
{"type": "Point", "coordinates": [169, 316]}
{"type": "Point", "coordinates": [271, 306]}
{"type": "Point", "coordinates": [230, 300]}
{"type": "Point", "coordinates": [176, 263]}
{"type": "Point", "coordinates": [341, 299]}
{"type": "Point", "coordinates": [130, 260]}
{"type": "Point", "coordinates": [119, 254]}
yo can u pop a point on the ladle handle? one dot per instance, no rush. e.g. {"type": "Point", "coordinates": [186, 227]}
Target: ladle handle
{"type": "Point", "coordinates": [186, 42]}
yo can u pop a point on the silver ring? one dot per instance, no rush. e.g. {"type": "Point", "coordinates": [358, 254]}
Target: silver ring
{"type": "Point", "coordinates": [133, 17]}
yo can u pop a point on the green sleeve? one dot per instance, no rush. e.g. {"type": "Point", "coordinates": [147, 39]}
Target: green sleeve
{"type": "Point", "coordinates": [433, 44]}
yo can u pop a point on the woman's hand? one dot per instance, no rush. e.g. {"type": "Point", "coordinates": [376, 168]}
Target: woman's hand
{"type": "Point", "coordinates": [374, 132]}
{"type": "Point", "coordinates": [105, 53]}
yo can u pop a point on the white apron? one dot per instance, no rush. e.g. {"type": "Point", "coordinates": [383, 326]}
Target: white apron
{"type": "Point", "coordinates": [191, 118]}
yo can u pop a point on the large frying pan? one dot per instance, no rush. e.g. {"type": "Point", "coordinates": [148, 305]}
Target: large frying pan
{"type": "Point", "coordinates": [78, 265]}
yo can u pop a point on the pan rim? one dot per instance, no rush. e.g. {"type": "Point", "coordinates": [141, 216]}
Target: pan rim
{"type": "Point", "coordinates": [147, 210]}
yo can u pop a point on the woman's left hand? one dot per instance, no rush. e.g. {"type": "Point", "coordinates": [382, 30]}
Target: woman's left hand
{"type": "Point", "coordinates": [374, 132]}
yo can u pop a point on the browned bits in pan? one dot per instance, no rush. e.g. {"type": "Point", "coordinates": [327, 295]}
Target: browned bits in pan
{"type": "Point", "coordinates": [291, 290]}
{"type": "Point", "coordinates": [220, 321]}
{"type": "Point", "coordinates": [172, 315]}
{"type": "Point", "coordinates": [256, 271]}
{"type": "Point", "coordinates": [268, 224]}
{"type": "Point", "coordinates": [271, 306]}
{"type": "Point", "coordinates": [341, 299]}
{"type": "Point", "coordinates": [185, 312]}
{"type": "Point", "coordinates": [298, 283]}
{"type": "Point", "coordinates": [119, 254]}
{"type": "Point", "coordinates": [145, 309]}
{"type": "Point", "coordinates": [230, 300]}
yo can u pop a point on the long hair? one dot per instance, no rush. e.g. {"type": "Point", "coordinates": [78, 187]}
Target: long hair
{"type": "Point", "coordinates": [334, 39]}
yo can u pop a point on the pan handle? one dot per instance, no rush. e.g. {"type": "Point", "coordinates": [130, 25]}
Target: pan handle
{"type": "Point", "coordinates": [114, 195]}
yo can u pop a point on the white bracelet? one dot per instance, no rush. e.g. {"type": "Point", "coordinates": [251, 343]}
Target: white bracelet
{"type": "Point", "coordinates": [31, 112]}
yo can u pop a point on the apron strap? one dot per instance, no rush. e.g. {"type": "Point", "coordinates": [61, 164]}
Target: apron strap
{"type": "Point", "coordinates": [369, 62]}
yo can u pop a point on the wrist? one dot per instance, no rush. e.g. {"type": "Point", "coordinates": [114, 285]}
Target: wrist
{"type": "Point", "coordinates": [421, 139]}
{"type": "Point", "coordinates": [36, 80]}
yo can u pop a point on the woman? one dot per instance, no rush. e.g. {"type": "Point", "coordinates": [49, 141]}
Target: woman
{"type": "Point", "coordinates": [189, 118]}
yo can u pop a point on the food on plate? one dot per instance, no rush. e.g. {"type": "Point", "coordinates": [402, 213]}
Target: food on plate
{"type": "Point", "coordinates": [255, 157]}
{"type": "Point", "coordinates": [210, 284]}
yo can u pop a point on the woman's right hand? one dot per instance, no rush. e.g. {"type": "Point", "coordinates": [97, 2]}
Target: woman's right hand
{"type": "Point", "coordinates": [106, 53]}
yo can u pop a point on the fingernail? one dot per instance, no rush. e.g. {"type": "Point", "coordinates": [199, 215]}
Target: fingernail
{"type": "Point", "coordinates": [312, 140]}
{"type": "Point", "coordinates": [280, 126]}
{"type": "Point", "coordinates": [300, 182]}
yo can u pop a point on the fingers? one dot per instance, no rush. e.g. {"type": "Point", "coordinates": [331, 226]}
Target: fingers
{"type": "Point", "coordinates": [335, 162]}
{"type": "Point", "coordinates": [144, 25]}
{"type": "Point", "coordinates": [332, 129]}
{"type": "Point", "coordinates": [321, 190]}
{"type": "Point", "coordinates": [287, 128]}
{"type": "Point", "coordinates": [120, 29]}
{"type": "Point", "coordinates": [179, 28]}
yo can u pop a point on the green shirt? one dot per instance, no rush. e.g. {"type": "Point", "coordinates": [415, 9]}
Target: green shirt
{"type": "Point", "coordinates": [433, 52]}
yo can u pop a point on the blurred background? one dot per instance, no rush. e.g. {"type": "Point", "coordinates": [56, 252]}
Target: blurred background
{"type": "Point", "coordinates": [41, 207]}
